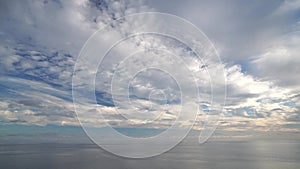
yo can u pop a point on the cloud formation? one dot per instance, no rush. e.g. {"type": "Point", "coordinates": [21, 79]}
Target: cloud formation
{"type": "Point", "coordinates": [41, 41]}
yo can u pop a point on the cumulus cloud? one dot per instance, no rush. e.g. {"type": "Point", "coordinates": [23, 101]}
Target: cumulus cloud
{"type": "Point", "coordinates": [41, 41]}
{"type": "Point", "coordinates": [59, 25]}
{"type": "Point", "coordinates": [259, 48]}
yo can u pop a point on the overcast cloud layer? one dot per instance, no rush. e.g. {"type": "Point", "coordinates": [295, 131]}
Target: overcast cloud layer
{"type": "Point", "coordinates": [258, 43]}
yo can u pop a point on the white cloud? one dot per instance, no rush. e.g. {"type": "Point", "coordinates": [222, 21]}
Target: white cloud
{"type": "Point", "coordinates": [59, 25]}
{"type": "Point", "coordinates": [280, 63]}
{"type": "Point", "coordinates": [39, 38]}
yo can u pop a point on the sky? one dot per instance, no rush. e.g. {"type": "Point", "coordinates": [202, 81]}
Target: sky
{"type": "Point", "coordinates": [257, 41]}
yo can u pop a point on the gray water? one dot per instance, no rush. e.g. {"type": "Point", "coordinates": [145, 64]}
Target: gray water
{"type": "Point", "coordinates": [254, 154]}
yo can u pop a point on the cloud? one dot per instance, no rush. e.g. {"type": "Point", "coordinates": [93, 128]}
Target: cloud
{"type": "Point", "coordinates": [59, 25]}
{"type": "Point", "coordinates": [259, 44]}
{"type": "Point", "coordinates": [238, 29]}
{"type": "Point", "coordinates": [41, 40]}
{"type": "Point", "coordinates": [280, 62]}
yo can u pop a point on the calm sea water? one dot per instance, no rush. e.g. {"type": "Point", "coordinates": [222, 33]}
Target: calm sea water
{"type": "Point", "coordinates": [258, 154]}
